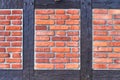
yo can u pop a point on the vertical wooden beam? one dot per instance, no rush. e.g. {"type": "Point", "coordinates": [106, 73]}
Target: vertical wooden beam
{"type": "Point", "coordinates": [86, 40]}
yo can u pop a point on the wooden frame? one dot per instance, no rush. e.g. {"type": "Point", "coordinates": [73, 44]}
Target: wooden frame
{"type": "Point", "coordinates": [86, 72]}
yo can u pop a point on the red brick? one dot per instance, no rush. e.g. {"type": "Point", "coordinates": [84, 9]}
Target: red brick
{"type": "Point", "coordinates": [45, 33]}
{"type": "Point", "coordinates": [60, 49]}
{"type": "Point", "coordinates": [74, 27]}
{"type": "Point", "coordinates": [114, 44]}
{"type": "Point", "coordinates": [100, 11]}
{"type": "Point", "coordinates": [113, 11]}
{"type": "Point", "coordinates": [75, 17]}
{"type": "Point", "coordinates": [72, 44]}
{"type": "Point", "coordinates": [45, 11]}
{"type": "Point", "coordinates": [2, 60]}
{"type": "Point", "coordinates": [44, 22]}
{"type": "Point", "coordinates": [5, 12]}
{"type": "Point", "coordinates": [59, 22]}
{"type": "Point", "coordinates": [72, 11]}
{"type": "Point", "coordinates": [60, 60]}
{"type": "Point", "coordinates": [103, 49]}
{"type": "Point", "coordinates": [59, 66]}
{"type": "Point", "coordinates": [14, 39]}
{"type": "Point", "coordinates": [42, 38]}
{"type": "Point", "coordinates": [2, 38]}
{"type": "Point", "coordinates": [4, 55]}
{"type": "Point", "coordinates": [75, 49]}
{"type": "Point", "coordinates": [61, 33]}
{"type": "Point", "coordinates": [16, 44]}
{"type": "Point", "coordinates": [4, 66]}
{"type": "Point", "coordinates": [99, 66]}
{"type": "Point", "coordinates": [2, 28]}
{"type": "Point", "coordinates": [4, 44]}
{"type": "Point", "coordinates": [72, 55]}
{"type": "Point", "coordinates": [75, 60]}
{"type": "Point", "coordinates": [41, 28]}
{"type": "Point", "coordinates": [117, 27]}
{"type": "Point", "coordinates": [17, 11]}
{"type": "Point", "coordinates": [4, 22]}
{"type": "Point", "coordinates": [16, 22]}
{"type": "Point", "coordinates": [116, 38]}
{"type": "Point", "coordinates": [4, 33]}
{"type": "Point", "coordinates": [58, 27]}
{"type": "Point", "coordinates": [14, 17]}
{"type": "Point", "coordinates": [42, 60]}
{"type": "Point", "coordinates": [14, 49]}
{"type": "Point", "coordinates": [117, 61]}
{"type": "Point", "coordinates": [103, 38]}
{"type": "Point", "coordinates": [73, 33]}
{"type": "Point", "coordinates": [16, 55]}
{"type": "Point", "coordinates": [44, 66]}
{"type": "Point", "coordinates": [114, 66]}
{"type": "Point", "coordinates": [70, 22]}
{"type": "Point", "coordinates": [72, 66]}
{"type": "Point", "coordinates": [102, 27]}
{"type": "Point", "coordinates": [100, 55]}
{"type": "Point", "coordinates": [114, 55]}
{"type": "Point", "coordinates": [117, 16]}
{"type": "Point", "coordinates": [75, 38]}
{"type": "Point", "coordinates": [102, 16]}
{"type": "Point", "coordinates": [114, 33]}
{"type": "Point", "coordinates": [2, 17]}
{"type": "Point", "coordinates": [42, 17]}
{"type": "Point", "coordinates": [64, 17]}
{"type": "Point", "coordinates": [42, 49]}
{"type": "Point", "coordinates": [99, 22]}
{"type": "Point", "coordinates": [2, 50]}
{"type": "Point", "coordinates": [102, 60]}
{"type": "Point", "coordinates": [59, 55]}
{"type": "Point", "coordinates": [16, 33]}
{"type": "Point", "coordinates": [102, 33]}
{"type": "Point", "coordinates": [45, 55]}
{"type": "Point", "coordinates": [13, 27]}
{"type": "Point", "coordinates": [45, 44]}
{"type": "Point", "coordinates": [60, 44]}
{"type": "Point", "coordinates": [60, 11]}
{"type": "Point", "coordinates": [117, 49]}
{"type": "Point", "coordinates": [13, 60]}
{"type": "Point", "coordinates": [17, 66]}
{"type": "Point", "coordinates": [116, 22]}
{"type": "Point", "coordinates": [61, 38]}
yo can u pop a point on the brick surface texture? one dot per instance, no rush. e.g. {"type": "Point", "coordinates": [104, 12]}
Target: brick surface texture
{"type": "Point", "coordinates": [11, 39]}
{"type": "Point", "coordinates": [106, 24]}
{"type": "Point", "coordinates": [57, 41]}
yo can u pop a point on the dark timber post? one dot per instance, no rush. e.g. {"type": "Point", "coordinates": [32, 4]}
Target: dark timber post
{"type": "Point", "coordinates": [86, 40]}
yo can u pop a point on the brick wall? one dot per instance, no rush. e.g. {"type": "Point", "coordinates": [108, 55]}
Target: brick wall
{"type": "Point", "coordinates": [10, 39]}
{"type": "Point", "coordinates": [106, 24]}
{"type": "Point", "coordinates": [57, 39]}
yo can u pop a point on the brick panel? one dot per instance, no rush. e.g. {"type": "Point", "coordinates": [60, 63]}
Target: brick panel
{"type": "Point", "coordinates": [57, 39]}
{"type": "Point", "coordinates": [106, 40]}
{"type": "Point", "coordinates": [11, 30]}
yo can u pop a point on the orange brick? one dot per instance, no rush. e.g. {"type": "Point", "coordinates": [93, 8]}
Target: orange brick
{"type": "Point", "coordinates": [61, 17]}
{"type": "Point", "coordinates": [17, 66]}
{"type": "Point", "coordinates": [60, 49]}
{"type": "Point", "coordinates": [2, 50]}
{"type": "Point", "coordinates": [44, 22]}
{"type": "Point", "coordinates": [72, 55]}
{"type": "Point", "coordinates": [102, 33]}
{"type": "Point", "coordinates": [116, 22]}
{"type": "Point", "coordinates": [45, 33]}
{"type": "Point", "coordinates": [59, 11]}
{"type": "Point", "coordinates": [42, 60]}
{"type": "Point", "coordinates": [4, 44]}
{"type": "Point", "coordinates": [114, 66]}
{"type": "Point", "coordinates": [2, 60]}
{"type": "Point", "coordinates": [44, 44]}
{"type": "Point", "coordinates": [102, 60]}
{"type": "Point", "coordinates": [4, 22]}
{"type": "Point", "coordinates": [75, 17]}
{"type": "Point", "coordinates": [99, 22]}
{"type": "Point", "coordinates": [59, 66]}
{"type": "Point", "coordinates": [75, 38]}
{"type": "Point", "coordinates": [102, 38]}
{"type": "Point", "coordinates": [117, 27]}
{"type": "Point", "coordinates": [60, 60]}
{"type": "Point", "coordinates": [102, 16]}
{"type": "Point", "coordinates": [70, 22]}
{"type": "Point", "coordinates": [103, 49]}
{"type": "Point", "coordinates": [100, 43]}
{"type": "Point", "coordinates": [17, 44]}
{"type": "Point", "coordinates": [42, 49]}
{"type": "Point", "coordinates": [72, 44]}
{"type": "Point", "coordinates": [16, 22]}
{"type": "Point", "coordinates": [114, 43]}
{"type": "Point", "coordinates": [61, 38]}
{"type": "Point", "coordinates": [58, 27]}
{"type": "Point", "coordinates": [74, 60]}
{"type": "Point", "coordinates": [4, 33]}
{"type": "Point", "coordinates": [100, 55]}
{"type": "Point", "coordinates": [16, 55]}
{"type": "Point", "coordinates": [14, 17]}
{"type": "Point", "coordinates": [2, 17]}
{"type": "Point", "coordinates": [44, 66]}
{"type": "Point", "coordinates": [114, 55]}
{"type": "Point", "coordinates": [60, 55]}
{"type": "Point", "coordinates": [44, 55]}
{"type": "Point", "coordinates": [102, 27]}
{"type": "Point", "coordinates": [14, 39]}
{"type": "Point", "coordinates": [5, 12]}
{"type": "Point", "coordinates": [74, 27]}
{"type": "Point", "coordinates": [117, 49]}
{"type": "Point", "coordinates": [75, 49]}
{"type": "Point", "coordinates": [113, 11]}
{"type": "Point", "coordinates": [13, 27]}
{"type": "Point", "coordinates": [72, 66]}
{"type": "Point", "coordinates": [14, 49]}
{"type": "Point", "coordinates": [42, 38]}
{"type": "Point", "coordinates": [60, 44]}
{"type": "Point", "coordinates": [72, 11]}
{"type": "Point", "coordinates": [4, 66]}
{"type": "Point", "coordinates": [61, 33]}
{"type": "Point", "coordinates": [2, 28]}
{"type": "Point", "coordinates": [100, 11]}
{"type": "Point", "coordinates": [59, 22]}
{"type": "Point", "coordinates": [42, 17]}
{"type": "Point", "coordinates": [49, 11]}
{"type": "Point", "coordinates": [73, 33]}
{"type": "Point", "coordinates": [4, 55]}
{"type": "Point", "coordinates": [13, 60]}
{"type": "Point", "coordinates": [99, 66]}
